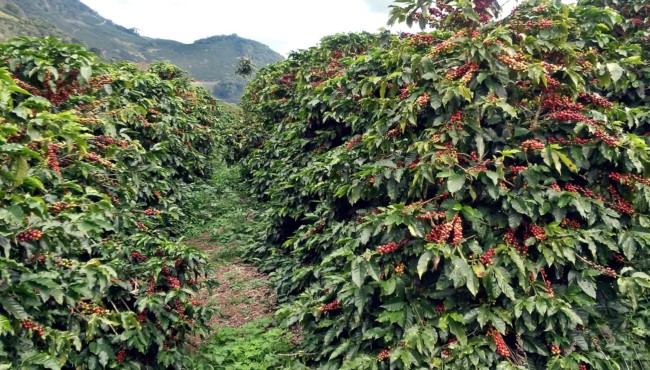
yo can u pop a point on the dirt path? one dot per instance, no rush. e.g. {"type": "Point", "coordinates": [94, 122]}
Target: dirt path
{"type": "Point", "coordinates": [244, 294]}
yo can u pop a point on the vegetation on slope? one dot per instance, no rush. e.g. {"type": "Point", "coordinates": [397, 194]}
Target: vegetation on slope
{"type": "Point", "coordinates": [211, 60]}
{"type": "Point", "coordinates": [472, 197]}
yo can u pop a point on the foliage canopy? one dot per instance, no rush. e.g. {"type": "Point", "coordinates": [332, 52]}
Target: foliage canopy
{"type": "Point", "coordinates": [472, 197]}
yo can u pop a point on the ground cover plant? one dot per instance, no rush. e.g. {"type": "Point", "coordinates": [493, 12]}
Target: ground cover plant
{"type": "Point", "coordinates": [94, 160]}
{"type": "Point", "coordinates": [475, 196]}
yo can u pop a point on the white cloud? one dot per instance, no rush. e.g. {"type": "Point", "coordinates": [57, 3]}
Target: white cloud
{"type": "Point", "coordinates": [284, 25]}
{"type": "Point", "coordinates": [379, 6]}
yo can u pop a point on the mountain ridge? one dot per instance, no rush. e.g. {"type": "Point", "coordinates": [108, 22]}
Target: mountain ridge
{"type": "Point", "coordinates": [211, 61]}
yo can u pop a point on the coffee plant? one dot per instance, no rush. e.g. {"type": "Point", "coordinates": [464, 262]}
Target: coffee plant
{"type": "Point", "coordinates": [471, 197]}
{"type": "Point", "coordinates": [95, 158]}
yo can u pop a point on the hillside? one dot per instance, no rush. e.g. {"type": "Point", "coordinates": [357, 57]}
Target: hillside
{"type": "Point", "coordinates": [210, 61]}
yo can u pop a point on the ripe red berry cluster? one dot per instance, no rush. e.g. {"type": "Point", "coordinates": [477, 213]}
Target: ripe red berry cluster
{"type": "Point", "coordinates": [440, 309]}
{"type": "Point", "coordinates": [629, 178]}
{"type": "Point", "coordinates": [606, 138]}
{"type": "Point", "coordinates": [511, 239]}
{"type": "Point", "coordinates": [32, 326]}
{"type": "Point", "coordinates": [394, 132]}
{"type": "Point", "coordinates": [566, 222]}
{"type": "Point", "coordinates": [467, 67]}
{"type": "Point", "coordinates": [40, 258]}
{"type": "Point", "coordinates": [151, 212]}
{"type": "Point", "coordinates": [415, 163]}
{"type": "Point", "coordinates": [436, 216]}
{"type": "Point", "coordinates": [479, 168]}
{"type": "Point", "coordinates": [447, 44]}
{"type": "Point", "coordinates": [582, 367]}
{"type": "Point", "coordinates": [332, 306]}
{"type": "Point", "coordinates": [618, 203]}
{"type": "Point", "coordinates": [59, 206]}
{"type": "Point", "coordinates": [555, 349]}
{"type": "Point", "coordinates": [530, 25]}
{"type": "Point", "coordinates": [404, 92]}
{"type": "Point", "coordinates": [179, 309]}
{"type": "Point", "coordinates": [607, 271]}
{"type": "Point", "coordinates": [138, 256]}
{"type": "Point", "coordinates": [502, 347]}
{"type": "Point", "coordinates": [481, 7]}
{"type": "Point", "coordinates": [637, 21]}
{"type": "Point", "coordinates": [52, 160]}
{"type": "Point", "coordinates": [29, 235]}
{"type": "Point", "coordinates": [418, 39]}
{"type": "Point", "coordinates": [561, 103]}
{"type": "Point", "coordinates": [65, 263]}
{"type": "Point", "coordinates": [121, 356]}
{"type": "Point", "coordinates": [538, 232]}
{"type": "Point", "coordinates": [165, 271]}
{"type": "Point", "coordinates": [440, 233]}
{"type": "Point", "coordinates": [141, 226]}
{"type": "Point", "coordinates": [513, 62]}
{"type": "Point", "coordinates": [549, 288]}
{"type": "Point", "coordinates": [91, 309]}
{"type": "Point", "coordinates": [487, 258]}
{"type": "Point", "coordinates": [142, 317]}
{"type": "Point", "coordinates": [384, 354]}
{"type": "Point", "coordinates": [353, 142]}
{"type": "Point", "coordinates": [574, 141]}
{"type": "Point", "coordinates": [457, 229]}
{"type": "Point", "coordinates": [531, 144]}
{"type": "Point", "coordinates": [618, 257]}
{"type": "Point", "coordinates": [423, 100]}
{"type": "Point", "coordinates": [286, 79]}
{"type": "Point", "coordinates": [336, 54]}
{"type": "Point", "coordinates": [151, 286]}
{"type": "Point", "coordinates": [517, 169]}
{"type": "Point", "coordinates": [391, 247]}
{"type": "Point", "coordinates": [596, 100]}
{"type": "Point", "coordinates": [174, 283]}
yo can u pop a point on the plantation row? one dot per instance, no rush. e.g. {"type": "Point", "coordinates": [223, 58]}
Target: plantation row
{"type": "Point", "coordinates": [474, 197]}
{"type": "Point", "coordinates": [95, 160]}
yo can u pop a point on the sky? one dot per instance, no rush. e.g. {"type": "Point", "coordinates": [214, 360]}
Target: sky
{"type": "Point", "coordinates": [284, 25]}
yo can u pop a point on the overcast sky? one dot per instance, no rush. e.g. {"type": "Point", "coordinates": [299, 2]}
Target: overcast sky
{"type": "Point", "coordinates": [284, 25]}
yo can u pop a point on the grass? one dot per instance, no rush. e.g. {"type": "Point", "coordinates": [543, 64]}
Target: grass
{"type": "Point", "coordinates": [220, 219]}
{"type": "Point", "coordinates": [258, 345]}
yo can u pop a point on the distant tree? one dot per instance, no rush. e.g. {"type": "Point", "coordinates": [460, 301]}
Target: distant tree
{"type": "Point", "coordinates": [228, 90]}
{"type": "Point", "coordinates": [245, 67]}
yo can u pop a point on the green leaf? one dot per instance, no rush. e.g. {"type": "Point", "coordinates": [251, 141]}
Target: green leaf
{"type": "Point", "coordinates": [462, 274]}
{"type": "Point", "coordinates": [571, 315]}
{"type": "Point", "coordinates": [455, 183]}
{"type": "Point", "coordinates": [5, 325]}
{"type": "Point", "coordinates": [503, 280]}
{"type": "Point", "coordinates": [615, 71]}
{"type": "Point", "coordinates": [22, 167]}
{"type": "Point", "coordinates": [423, 262]}
{"type": "Point", "coordinates": [587, 286]}
{"type": "Point", "coordinates": [359, 271]}
{"type": "Point", "coordinates": [458, 330]}
{"type": "Point", "coordinates": [86, 72]}
{"type": "Point", "coordinates": [12, 306]}
{"type": "Point", "coordinates": [572, 167]}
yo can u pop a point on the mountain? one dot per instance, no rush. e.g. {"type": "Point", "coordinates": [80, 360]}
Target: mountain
{"type": "Point", "coordinates": [210, 61]}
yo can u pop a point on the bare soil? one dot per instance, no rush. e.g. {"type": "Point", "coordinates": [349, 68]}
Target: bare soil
{"type": "Point", "coordinates": [243, 295]}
